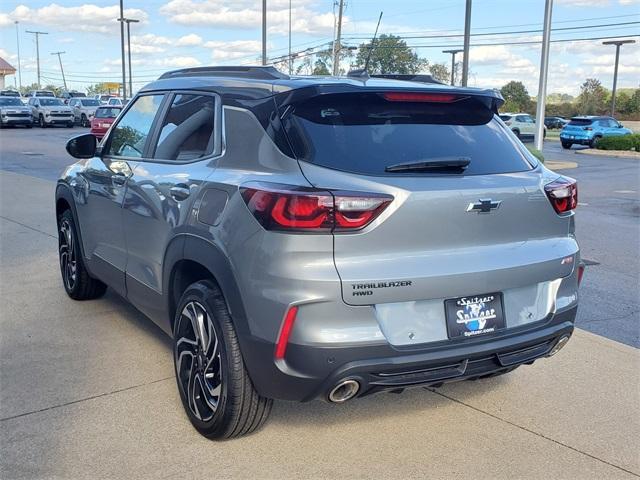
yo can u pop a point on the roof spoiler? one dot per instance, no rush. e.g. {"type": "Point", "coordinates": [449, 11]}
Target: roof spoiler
{"type": "Point", "coordinates": [254, 72]}
{"type": "Point", "coordinates": [418, 77]}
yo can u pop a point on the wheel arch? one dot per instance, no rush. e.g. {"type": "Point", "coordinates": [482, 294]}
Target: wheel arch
{"type": "Point", "coordinates": [189, 259]}
{"type": "Point", "coordinates": [65, 201]}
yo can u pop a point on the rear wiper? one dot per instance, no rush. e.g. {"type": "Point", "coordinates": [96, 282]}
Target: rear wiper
{"type": "Point", "coordinates": [454, 164]}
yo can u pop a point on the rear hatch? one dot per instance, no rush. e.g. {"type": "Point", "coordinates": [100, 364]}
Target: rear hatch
{"type": "Point", "coordinates": [578, 125]}
{"type": "Point", "coordinates": [451, 230]}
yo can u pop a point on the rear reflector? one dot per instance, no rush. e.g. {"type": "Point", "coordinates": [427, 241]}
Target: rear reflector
{"type": "Point", "coordinates": [285, 332]}
{"type": "Point", "coordinates": [290, 208]}
{"type": "Point", "coordinates": [421, 97]}
{"type": "Point", "coordinates": [563, 194]}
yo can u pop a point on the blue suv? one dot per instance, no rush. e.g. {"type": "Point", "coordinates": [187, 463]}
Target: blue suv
{"type": "Point", "coordinates": [589, 130]}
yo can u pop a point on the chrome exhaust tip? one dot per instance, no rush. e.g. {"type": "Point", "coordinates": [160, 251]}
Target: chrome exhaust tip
{"type": "Point", "coordinates": [558, 346]}
{"type": "Point", "coordinates": [344, 391]}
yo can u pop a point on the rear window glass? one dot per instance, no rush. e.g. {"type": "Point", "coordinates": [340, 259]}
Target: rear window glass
{"type": "Point", "coordinates": [107, 112]}
{"type": "Point", "coordinates": [364, 133]}
{"type": "Point", "coordinates": [505, 117]}
{"type": "Point", "coordinates": [90, 102]}
{"type": "Point", "coordinates": [580, 121]}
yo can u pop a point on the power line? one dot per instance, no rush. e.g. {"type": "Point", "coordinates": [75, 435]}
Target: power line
{"type": "Point", "coordinates": [513, 32]}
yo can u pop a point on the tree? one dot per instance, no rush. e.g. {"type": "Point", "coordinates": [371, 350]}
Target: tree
{"type": "Point", "coordinates": [592, 98]}
{"type": "Point", "coordinates": [390, 55]}
{"type": "Point", "coordinates": [516, 97]}
{"type": "Point", "coordinates": [98, 88]}
{"type": "Point", "coordinates": [440, 72]}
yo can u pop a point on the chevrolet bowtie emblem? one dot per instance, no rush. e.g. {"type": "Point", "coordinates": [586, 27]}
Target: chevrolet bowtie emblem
{"type": "Point", "coordinates": [484, 205]}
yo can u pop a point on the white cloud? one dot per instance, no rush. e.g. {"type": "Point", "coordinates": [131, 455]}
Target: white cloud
{"type": "Point", "coordinates": [585, 3]}
{"type": "Point", "coordinates": [87, 17]}
{"type": "Point", "coordinates": [190, 40]}
{"type": "Point", "coordinates": [221, 51]}
{"type": "Point", "coordinates": [151, 43]}
{"type": "Point", "coordinates": [244, 14]}
{"type": "Point", "coordinates": [165, 63]}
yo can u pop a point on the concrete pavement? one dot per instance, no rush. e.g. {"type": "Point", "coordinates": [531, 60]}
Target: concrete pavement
{"type": "Point", "coordinates": [87, 391]}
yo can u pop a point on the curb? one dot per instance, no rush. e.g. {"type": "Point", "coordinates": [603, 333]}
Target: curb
{"type": "Point", "coordinates": [609, 153]}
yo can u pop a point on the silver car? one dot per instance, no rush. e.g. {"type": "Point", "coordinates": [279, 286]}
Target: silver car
{"type": "Point", "coordinates": [84, 109]}
{"type": "Point", "coordinates": [47, 112]}
{"type": "Point", "coordinates": [14, 112]}
{"type": "Point", "coordinates": [326, 238]}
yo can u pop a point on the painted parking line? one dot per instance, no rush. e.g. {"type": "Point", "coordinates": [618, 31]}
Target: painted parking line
{"type": "Point", "coordinates": [558, 165]}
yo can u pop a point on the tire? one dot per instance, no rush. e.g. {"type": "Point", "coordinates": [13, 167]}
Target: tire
{"type": "Point", "coordinates": [29, 125]}
{"type": "Point", "coordinates": [594, 142]}
{"type": "Point", "coordinates": [70, 125]}
{"type": "Point", "coordinates": [566, 145]}
{"type": "Point", "coordinates": [41, 121]}
{"type": "Point", "coordinates": [516, 132]}
{"type": "Point", "coordinates": [215, 388]}
{"type": "Point", "coordinates": [83, 121]}
{"type": "Point", "coordinates": [77, 282]}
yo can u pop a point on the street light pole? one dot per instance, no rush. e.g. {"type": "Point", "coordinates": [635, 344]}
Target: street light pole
{"type": "Point", "coordinates": [64, 80]}
{"type": "Point", "coordinates": [264, 32]}
{"type": "Point", "coordinates": [544, 70]}
{"type": "Point", "coordinates": [453, 63]}
{"type": "Point", "coordinates": [124, 75]}
{"type": "Point", "coordinates": [18, 44]}
{"type": "Point", "coordinates": [290, 59]}
{"type": "Point", "coordinates": [467, 37]}
{"type": "Point", "coordinates": [37, 34]}
{"type": "Point", "coordinates": [617, 43]}
{"type": "Point", "coordinates": [336, 43]}
{"type": "Point", "coordinates": [129, 21]}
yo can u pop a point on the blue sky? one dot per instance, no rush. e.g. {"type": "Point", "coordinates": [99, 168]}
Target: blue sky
{"type": "Point", "coordinates": [179, 33]}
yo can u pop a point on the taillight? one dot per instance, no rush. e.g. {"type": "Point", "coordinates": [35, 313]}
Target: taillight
{"type": "Point", "coordinates": [587, 128]}
{"type": "Point", "coordinates": [290, 208]}
{"type": "Point", "coordinates": [421, 97]}
{"type": "Point", "coordinates": [563, 194]}
{"type": "Point", "coordinates": [508, 122]}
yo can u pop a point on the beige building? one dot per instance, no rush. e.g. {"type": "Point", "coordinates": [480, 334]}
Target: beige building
{"type": "Point", "coordinates": [5, 69]}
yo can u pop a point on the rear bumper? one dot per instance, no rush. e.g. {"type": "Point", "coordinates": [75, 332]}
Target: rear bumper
{"type": "Point", "coordinates": [311, 372]}
{"type": "Point", "coordinates": [578, 140]}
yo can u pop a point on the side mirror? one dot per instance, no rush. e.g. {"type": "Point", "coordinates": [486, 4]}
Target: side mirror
{"type": "Point", "coordinates": [82, 146]}
{"type": "Point", "coordinates": [620, 125]}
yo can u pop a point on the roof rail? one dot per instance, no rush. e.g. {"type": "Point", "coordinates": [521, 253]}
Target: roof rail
{"type": "Point", "coordinates": [257, 72]}
{"type": "Point", "coordinates": [411, 77]}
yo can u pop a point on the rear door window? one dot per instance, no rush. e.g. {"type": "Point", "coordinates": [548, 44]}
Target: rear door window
{"type": "Point", "coordinates": [187, 131]}
{"type": "Point", "coordinates": [129, 137]}
{"type": "Point", "coordinates": [365, 133]}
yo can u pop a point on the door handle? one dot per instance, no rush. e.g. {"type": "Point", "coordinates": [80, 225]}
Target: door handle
{"type": "Point", "coordinates": [180, 192]}
{"type": "Point", "coordinates": [119, 179]}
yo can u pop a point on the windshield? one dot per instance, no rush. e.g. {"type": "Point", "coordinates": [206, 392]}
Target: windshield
{"type": "Point", "coordinates": [90, 103]}
{"type": "Point", "coordinates": [107, 112]}
{"type": "Point", "coordinates": [364, 133]}
{"type": "Point", "coordinates": [9, 93]}
{"type": "Point", "coordinates": [50, 102]}
{"type": "Point", "coordinates": [10, 101]}
{"type": "Point", "coordinates": [45, 94]}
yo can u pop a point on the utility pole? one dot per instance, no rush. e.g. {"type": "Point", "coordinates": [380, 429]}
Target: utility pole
{"type": "Point", "coordinates": [290, 58]}
{"type": "Point", "coordinates": [467, 37]}
{"type": "Point", "coordinates": [264, 32]}
{"type": "Point", "coordinates": [64, 80]}
{"type": "Point", "coordinates": [37, 34]}
{"type": "Point", "coordinates": [124, 75]}
{"type": "Point", "coordinates": [336, 43]}
{"type": "Point", "coordinates": [453, 63]}
{"type": "Point", "coordinates": [129, 21]}
{"type": "Point", "coordinates": [617, 43]}
{"type": "Point", "coordinates": [544, 70]}
{"type": "Point", "coordinates": [18, 44]}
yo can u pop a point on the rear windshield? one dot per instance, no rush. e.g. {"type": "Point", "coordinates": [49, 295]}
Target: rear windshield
{"type": "Point", "coordinates": [107, 112]}
{"type": "Point", "coordinates": [364, 133]}
{"type": "Point", "coordinates": [505, 117]}
{"type": "Point", "coordinates": [580, 121]}
{"type": "Point", "coordinates": [45, 94]}
{"type": "Point", "coordinates": [90, 102]}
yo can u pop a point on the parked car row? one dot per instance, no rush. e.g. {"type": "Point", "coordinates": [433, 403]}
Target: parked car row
{"type": "Point", "coordinates": [588, 130]}
{"type": "Point", "coordinates": [48, 111]}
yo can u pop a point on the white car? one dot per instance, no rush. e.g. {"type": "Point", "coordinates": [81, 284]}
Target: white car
{"type": "Point", "coordinates": [522, 124]}
{"type": "Point", "coordinates": [84, 109]}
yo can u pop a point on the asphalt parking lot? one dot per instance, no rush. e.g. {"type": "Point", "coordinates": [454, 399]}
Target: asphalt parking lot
{"type": "Point", "coordinates": [87, 389]}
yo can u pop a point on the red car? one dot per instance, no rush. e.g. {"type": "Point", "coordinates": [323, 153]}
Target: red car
{"type": "Point", "coordinates": [103, 119]}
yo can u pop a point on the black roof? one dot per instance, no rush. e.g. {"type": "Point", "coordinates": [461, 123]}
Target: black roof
{"type": "Point", "coordinates": [256, 82]}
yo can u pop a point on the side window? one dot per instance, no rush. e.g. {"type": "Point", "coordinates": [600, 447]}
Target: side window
{"type": "Point", "coordinates": [130, 134]}
{"type": "Point", "coordinates": [187, 131]}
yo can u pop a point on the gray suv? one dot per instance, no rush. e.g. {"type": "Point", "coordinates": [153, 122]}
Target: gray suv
{"type": "Point", "coordinates": [326, 238]}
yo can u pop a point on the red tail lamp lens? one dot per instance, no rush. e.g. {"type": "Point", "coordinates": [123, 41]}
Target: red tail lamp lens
{"type": "Point", "coordinates": [285, 332]}
{"type": "Point", "coordinates": [289, 208]}
{"type": "Point", "coordinates": [563, 194]}
{"type": "Point", "coordinates": [421, 97]}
